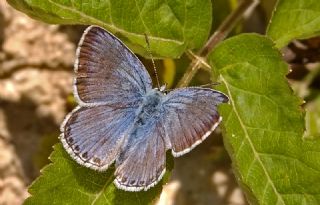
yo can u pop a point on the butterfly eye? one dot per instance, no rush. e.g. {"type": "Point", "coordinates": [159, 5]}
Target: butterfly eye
{"type": "Point", "coordinates": [163, 88]}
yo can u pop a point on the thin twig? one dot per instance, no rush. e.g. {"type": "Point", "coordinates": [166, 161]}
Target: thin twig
{"type": "Point", "coordinates": [222, 32]}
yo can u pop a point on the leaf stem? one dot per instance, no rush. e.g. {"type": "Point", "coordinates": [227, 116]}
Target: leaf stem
{"type": "Point", "coordinates": [222, 32]}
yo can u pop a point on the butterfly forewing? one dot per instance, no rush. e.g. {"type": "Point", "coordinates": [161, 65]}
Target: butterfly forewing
{"type": "Point", "coordinates": [107, 72]}
{"type": "Point", "coordinates": [190, 115]}
{"type": "Point", "coordinates": [121, 118]}
{"type": "Point", "coordinates": [185, 118]}
{"type": "Point", "coordinates": [110, 83]}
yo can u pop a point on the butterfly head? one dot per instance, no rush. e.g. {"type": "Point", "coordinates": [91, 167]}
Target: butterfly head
{"type": "Point", "coordinates": [162, 89]}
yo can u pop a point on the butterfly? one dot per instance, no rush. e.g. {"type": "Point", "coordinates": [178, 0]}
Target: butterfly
{"type": "Point", "coordinates": [121, 119]}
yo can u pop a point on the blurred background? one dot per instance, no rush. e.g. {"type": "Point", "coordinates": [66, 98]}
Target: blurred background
{"type": "Point", "coordinates": [36, 71]}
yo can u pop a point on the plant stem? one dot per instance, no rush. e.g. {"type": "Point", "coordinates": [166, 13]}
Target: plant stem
{"type": "Point", "coordinates": [222, 32]}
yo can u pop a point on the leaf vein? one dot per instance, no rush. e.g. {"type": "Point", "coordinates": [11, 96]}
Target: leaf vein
{"type": "Point", "coordinates": [102, 191]}
{"type": "Point", "coordinates": [289, 157]}
{"type": "Point", "coordinates": [246, 134]}
{"type": "Point", "coordinates": [112, 26]}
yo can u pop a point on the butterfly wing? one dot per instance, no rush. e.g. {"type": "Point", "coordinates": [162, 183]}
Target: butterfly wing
{"type": "Point", "coordinates": [141, 163]}
{"type": "Point", "coordinates": [93, 136]}
{"type": "Point", "coordinates": [187, 116]}
{"type": "Point", "coordinates": [107, 72]}
{"type": "Point", "coordinates": [190, 116]}
{"type": "Point", "coordinates": [109, 85]}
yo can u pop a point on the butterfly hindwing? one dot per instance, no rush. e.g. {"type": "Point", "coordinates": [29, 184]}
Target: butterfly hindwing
{"type": "Point", "coordinates": [121, 118]}
{"type": "Point", "coordinates": [93, 136]}
{"type": "Point", "coordinates": [183, 119]}
{"type": "Point", "coordinates": [107, 72]}
{"type": "Point", "coordinates": [141, 163]}
{"type": "Point", "coordinates": [190, 115]}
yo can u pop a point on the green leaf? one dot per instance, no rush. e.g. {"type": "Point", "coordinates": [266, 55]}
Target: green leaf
{"type": "Point", "coordinates": [313, 119]}
{"type": "Point", "coordinates": [264, 124]}
{"type": "Point", "coordinates": [66, 182]}
{"type": "Point", "coordinates": [172, 26]}
{"type": "Point", "coordinates": [294, 19]}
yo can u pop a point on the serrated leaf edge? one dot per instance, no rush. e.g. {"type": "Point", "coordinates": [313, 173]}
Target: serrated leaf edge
{"type": "Point", "coordinates": [112, 26]}
{"type": "Point", "coordinates": [256, 156]}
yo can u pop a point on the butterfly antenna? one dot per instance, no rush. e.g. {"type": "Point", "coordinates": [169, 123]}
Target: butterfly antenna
{"type": "Point", "coordinates": [153, 64]}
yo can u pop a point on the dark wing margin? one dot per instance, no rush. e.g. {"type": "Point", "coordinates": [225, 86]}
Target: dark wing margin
{"type": "Point", "coordinates": [93, 136]}
{"type": "Point", "coordinates": [141, 164]}
{"type": "Point", "coordinates": [190, 116]}
{"type": "Point", "coordinates": [107, 72]}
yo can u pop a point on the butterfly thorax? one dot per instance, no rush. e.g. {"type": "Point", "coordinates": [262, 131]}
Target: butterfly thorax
{"type": "Point", "coordinates": [150, 107]}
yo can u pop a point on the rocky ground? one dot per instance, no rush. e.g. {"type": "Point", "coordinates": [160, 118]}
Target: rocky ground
{"type": "Point", "coordinates": [36, 61]}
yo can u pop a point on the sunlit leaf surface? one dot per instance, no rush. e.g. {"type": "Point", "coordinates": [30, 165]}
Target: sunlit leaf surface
{"type": "Point", "coordinates": [294, 19]}
{"type": "Point", "coordinates": [66, 182]}
{"type": "Point", "coordinates": [264, 124]}
{"type": "Point", "coordinates": [172, 26]}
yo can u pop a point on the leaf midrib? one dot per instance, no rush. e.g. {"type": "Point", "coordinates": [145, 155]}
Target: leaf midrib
{"type": "Point", "coordinates": [256, 155]}
{"type": "Point", "coordinates": [112, 26]}
{"type": "Point", "coordinates": [101, 192]}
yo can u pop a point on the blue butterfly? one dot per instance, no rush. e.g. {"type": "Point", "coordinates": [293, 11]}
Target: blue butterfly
{"type": "Point", "coordinates": [121, 119]}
